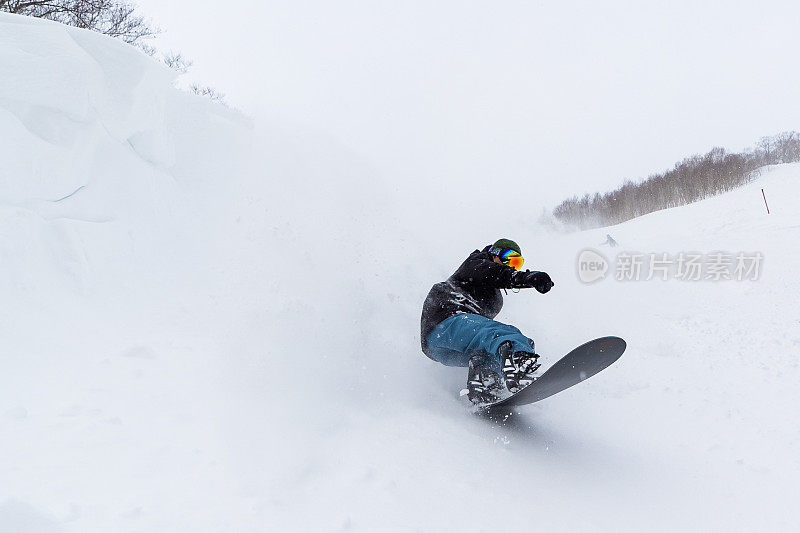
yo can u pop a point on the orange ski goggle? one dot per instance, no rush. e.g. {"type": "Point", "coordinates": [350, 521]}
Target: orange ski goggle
{"type": "Point", "coordinates": [511, 258]}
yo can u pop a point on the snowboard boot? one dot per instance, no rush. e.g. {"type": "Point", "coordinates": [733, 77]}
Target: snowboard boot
{"type": "Point", "coordinates": [518, 367]}
{"type": "Point", "coordinates": [484, 385]}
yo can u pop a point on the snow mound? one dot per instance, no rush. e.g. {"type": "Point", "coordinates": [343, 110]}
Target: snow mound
{"type": "Point", "coordinates": [108, 229]}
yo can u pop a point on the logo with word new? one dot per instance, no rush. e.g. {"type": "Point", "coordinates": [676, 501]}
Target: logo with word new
{"type": "Point", "coordinates": [592, 266]}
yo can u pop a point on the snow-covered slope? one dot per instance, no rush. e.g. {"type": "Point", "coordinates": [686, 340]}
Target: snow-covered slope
{"type": "Point", "coordinates": [210, 325]}
{"type": "Point", "coordinates": [109, 181]}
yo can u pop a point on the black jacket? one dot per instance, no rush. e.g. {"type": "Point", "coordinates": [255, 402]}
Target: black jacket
{"type": "Point", "coordinates": [473, 288]}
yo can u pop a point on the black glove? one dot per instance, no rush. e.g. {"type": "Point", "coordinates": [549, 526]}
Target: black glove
{"type": "Point", "coordinates": [536, 280]}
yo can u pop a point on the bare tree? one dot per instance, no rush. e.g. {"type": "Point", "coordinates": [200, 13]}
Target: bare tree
{"type": "Point", "coordinates": [787, 146]}
{"type": "Point", "coordinates": [117, 18]}
{"type": "Point", "coordinates": [176, 61]}
{"type": "Point", "coordinates": [693, 179]}
{"type": "Point", "coordinates": [207, 91]}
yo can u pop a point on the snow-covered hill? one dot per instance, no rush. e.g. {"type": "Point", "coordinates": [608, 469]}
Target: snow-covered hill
{"type": "Point", "coordinates": [212, 325]}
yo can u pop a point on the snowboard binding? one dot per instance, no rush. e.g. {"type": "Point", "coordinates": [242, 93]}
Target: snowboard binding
{"type": "Point", "coordinates": [484, 385]}
{"type": "Point", "coordinates": [519, 368]}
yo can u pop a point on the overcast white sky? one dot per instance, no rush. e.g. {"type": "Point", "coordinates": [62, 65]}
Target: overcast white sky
{"type": "Point", "coordinates": [579, 94]}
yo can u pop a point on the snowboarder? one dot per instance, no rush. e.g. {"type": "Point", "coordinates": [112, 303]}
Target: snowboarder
{"type": "Point", "coordinates": [609, 241]}
{"type": "Point", "coordinates": [457, 326]}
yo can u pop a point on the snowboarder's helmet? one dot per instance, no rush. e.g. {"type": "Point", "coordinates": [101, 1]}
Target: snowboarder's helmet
{"type": "Point", "coordinates": [508, 251]}
{"type": "Point", "coordinates": [504, 244]}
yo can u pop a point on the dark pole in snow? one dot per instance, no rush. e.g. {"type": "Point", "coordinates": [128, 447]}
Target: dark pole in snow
{"type": "Point", "coordinates": [765, 200]}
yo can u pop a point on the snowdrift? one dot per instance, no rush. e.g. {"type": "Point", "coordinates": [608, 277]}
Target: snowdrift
{"type": "Point", "coordinates": [211, 324]}
{"type": "Point", "coordinates": [108, 184]}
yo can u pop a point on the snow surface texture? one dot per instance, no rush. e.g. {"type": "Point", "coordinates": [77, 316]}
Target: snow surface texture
{"type": "Point", "coordinates": [212, 325]}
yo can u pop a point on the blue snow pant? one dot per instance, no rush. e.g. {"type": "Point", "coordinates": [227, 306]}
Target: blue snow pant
{"type": "Point", "coordinates": [459, 337]}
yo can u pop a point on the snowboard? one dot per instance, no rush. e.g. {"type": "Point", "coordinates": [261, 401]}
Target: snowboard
{"type": "Point", "coordinates": [581, 363]}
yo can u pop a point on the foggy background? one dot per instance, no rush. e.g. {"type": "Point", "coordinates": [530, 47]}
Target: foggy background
{"type": "Point", "coordinates": [503, 97]}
